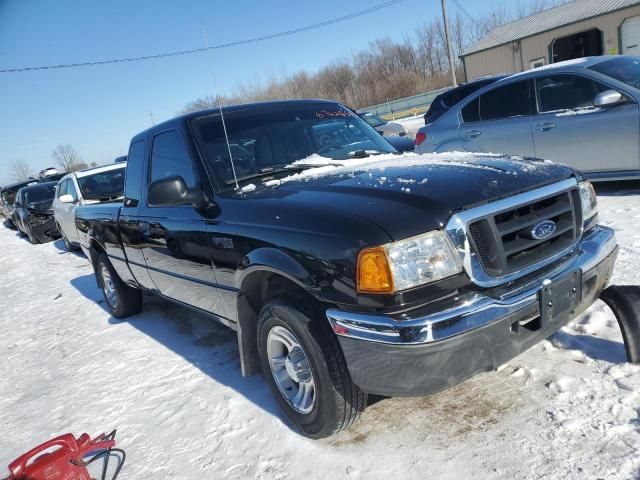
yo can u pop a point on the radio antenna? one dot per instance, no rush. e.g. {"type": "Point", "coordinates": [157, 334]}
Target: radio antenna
{"type": "Point", "coordinates": [224, 125]}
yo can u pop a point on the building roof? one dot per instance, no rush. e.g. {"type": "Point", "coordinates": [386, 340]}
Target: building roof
{"type": "Point", "coordinates": [548, 20]}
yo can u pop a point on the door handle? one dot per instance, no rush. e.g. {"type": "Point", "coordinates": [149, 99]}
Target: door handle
{"type": "Point", "coordinates": [472, 133]}
{"type": "Point", "coordinates": [545, 127]}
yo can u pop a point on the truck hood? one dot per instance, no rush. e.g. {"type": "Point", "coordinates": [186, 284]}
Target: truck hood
{"type": "Point", "coordinates": [410, 194]}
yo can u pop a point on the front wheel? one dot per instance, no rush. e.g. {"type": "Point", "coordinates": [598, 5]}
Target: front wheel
{"type": "Point", "coordinates": [122, 300]}
{"type": "Point", "coordinates": [306, 371]}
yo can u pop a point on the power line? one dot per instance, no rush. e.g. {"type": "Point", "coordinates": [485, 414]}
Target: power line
{"type": "Point", "coordinates": [212, 47]}
{"type": "Point", "coordinates": [478, 24]}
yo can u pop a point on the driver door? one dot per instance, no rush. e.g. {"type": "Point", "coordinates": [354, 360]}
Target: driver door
{"type": "Point", "coordinates": [569, 129]}
{"type": "Point", "coordinates": [176, 245]}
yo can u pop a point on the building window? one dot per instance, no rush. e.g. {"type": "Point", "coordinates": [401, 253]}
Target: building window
{"type": "Point", "coordinates": [538, 62]}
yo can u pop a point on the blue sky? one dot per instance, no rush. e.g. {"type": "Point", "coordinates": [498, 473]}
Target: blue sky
{"type": "Point", "coordinates": [98, 109]}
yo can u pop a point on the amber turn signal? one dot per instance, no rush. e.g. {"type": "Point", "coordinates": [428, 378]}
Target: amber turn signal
{"type": "Point", "coordinates": [374, 274]}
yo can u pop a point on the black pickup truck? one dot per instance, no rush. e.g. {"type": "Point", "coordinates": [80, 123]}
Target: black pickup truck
{"type": "Point", "coordinates": [345, 268]}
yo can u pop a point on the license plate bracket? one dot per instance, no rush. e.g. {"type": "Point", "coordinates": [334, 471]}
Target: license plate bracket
{"type": "Point", "coordinates": [559, 298]}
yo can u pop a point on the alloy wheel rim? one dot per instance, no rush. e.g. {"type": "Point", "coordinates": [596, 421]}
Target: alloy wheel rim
{"type": "Point", "coordinates": [291, 370]}
{"type": "Point", "coordinates": [107, 287]}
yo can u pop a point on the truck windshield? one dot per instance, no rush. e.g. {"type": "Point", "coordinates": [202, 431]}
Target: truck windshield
{"type": "Point", "coordinates": [272, 137]}
{"type": "Point", "coordinates": [623, 69]}
{"type": "Point", "coordinates": [103, 184]}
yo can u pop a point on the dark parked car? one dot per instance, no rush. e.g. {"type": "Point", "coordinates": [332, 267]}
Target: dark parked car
{"type": "Point", "coordinates": [399, 277]}
{"type": "Point", "coordinates": [33, 214]}
{"type": "Point", "coordinates": [448, 99]}
{"type": "Point", "coordinates": [8, 198]}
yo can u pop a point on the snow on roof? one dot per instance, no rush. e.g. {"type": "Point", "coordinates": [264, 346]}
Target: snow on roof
{"type": "Point", "coordinates": [548, 20]}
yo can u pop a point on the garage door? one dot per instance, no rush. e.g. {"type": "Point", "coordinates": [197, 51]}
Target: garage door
{"type": "Point", "coordinates": [631, 36]}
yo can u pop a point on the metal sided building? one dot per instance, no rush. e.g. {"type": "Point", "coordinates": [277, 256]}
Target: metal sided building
{"type": "Point", "coordinates": [576, 29]}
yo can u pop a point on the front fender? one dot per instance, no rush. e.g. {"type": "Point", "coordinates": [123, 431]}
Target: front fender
{"type": "Point", "coordinates": [277, 261]}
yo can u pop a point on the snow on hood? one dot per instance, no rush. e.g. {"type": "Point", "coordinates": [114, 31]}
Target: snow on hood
{"type": "Point", "coordinates": [323, 166]}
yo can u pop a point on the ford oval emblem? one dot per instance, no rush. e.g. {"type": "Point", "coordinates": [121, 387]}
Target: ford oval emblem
{"type": "Point", "coordinates": [543, 230]}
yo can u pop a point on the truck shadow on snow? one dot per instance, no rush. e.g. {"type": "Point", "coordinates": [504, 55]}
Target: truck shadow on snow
{"type": "Point", "coordinates": [477, 405]}
{"type": "Point", "coordinates": [207, 345]}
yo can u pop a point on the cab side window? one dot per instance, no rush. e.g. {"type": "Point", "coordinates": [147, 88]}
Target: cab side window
{"type": "Point", "coordinates": [169, 157]}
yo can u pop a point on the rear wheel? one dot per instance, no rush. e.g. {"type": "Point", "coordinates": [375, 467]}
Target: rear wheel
{"type": "Point", "coordinates": [122, 300]}
{"type": "Point", "coordinates": [306, 371]}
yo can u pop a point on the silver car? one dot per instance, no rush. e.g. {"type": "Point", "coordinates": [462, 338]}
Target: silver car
{"type": "Point", "coordinates": [93, 185]}
{"type": "Point", "coordinates": [582, 112]}
{"type": "Point", "coordinates": [388, 129]}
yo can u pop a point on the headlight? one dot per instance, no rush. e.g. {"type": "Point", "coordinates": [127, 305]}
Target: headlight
{"type": "Point", "coordinates": [407, 263]}
{"type": "Point", "coordinates": [588, 200]}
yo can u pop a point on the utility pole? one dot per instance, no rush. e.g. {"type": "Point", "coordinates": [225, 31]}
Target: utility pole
{"type": "Point", "coordinates": [452, 64]}
{"type": "Point", "coordinates": [151, 117]}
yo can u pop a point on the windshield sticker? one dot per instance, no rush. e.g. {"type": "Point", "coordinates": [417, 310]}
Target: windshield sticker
{"type": "Point", "coordinates": [333, 114]}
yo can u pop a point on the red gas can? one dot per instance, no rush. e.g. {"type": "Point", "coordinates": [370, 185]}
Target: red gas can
{"type": "Point", "coordinates": [67, 458]}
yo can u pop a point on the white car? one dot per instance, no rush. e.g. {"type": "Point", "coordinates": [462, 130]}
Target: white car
{"type": "Point", "coordinates": [94, 185]}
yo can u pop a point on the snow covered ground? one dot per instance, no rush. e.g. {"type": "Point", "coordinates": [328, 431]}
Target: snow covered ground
{"type": "Point", "coordinates": [169, 380]}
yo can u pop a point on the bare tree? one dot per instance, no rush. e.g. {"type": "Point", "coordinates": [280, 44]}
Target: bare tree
{"type": "Point", "coordinates": [20, 170]}
{"type": "Point", "coordinates": [68, 158]}
{"type": "Point", "coordinates": [387, 69]}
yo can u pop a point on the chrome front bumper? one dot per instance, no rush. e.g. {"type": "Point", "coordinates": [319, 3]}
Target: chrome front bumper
{"type": "Point", "coordinates": [474, 310]}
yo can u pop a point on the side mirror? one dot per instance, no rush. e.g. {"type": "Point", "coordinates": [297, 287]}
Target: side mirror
{"type": "Point", "coordinates": [608, 98]}
{"type": "Point", "coordinates": [66, 198]}
{"type": "Point", "coordinates": [172, 191]}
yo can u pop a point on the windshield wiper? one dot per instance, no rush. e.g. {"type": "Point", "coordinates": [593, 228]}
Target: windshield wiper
{"type": "Point", "coordinates": [269, 171]}
{"type": "Point", "coordinates": [363, 153]}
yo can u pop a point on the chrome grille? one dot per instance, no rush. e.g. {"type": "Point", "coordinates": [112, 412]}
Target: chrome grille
{"type": "Point", "coordinates": [503, 242]}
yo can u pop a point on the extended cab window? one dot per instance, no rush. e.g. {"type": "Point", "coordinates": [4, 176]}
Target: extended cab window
{"type": "Point", "coordinates": [512, 100]}
{"type": "Point", "coordinates": [566, 92]}
{"type": "Point", "coordinates": [169, 156]}
{"type": "Point", "coordinates": [133, 175]}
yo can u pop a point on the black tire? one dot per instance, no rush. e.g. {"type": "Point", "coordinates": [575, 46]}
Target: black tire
{"type": "Point", "coordinates": [338, 401]}
{"type": "Point", "coordinates": [126, 300]}
{"type": "Point", "coordinates": [32, 238]}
